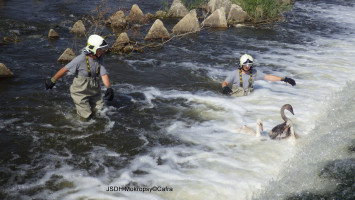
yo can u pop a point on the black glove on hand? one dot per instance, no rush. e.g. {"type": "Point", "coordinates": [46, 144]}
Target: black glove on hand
{"type": "Point", "coordinates": [226, 90]}
{"type": "Point", "coordinates": [109, 94]}
{"type": "Point", "coordinates": [289, 80]}
{"type": "Point", "coordinates": [49, 84]}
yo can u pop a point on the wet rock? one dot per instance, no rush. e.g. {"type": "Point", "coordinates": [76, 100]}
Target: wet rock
{"type": "Point", "coordinates": [161, 14]}
{"type": "Point", "coordinates": [177, 9]}
{"type": "Point", "coordinates": [13, 38]}
{"type": "Point", "coordinates": [157, 31]}
{"type": "Point", "coordinates": [217, 4]}
{"type": "Point", "coordinates": [128, 49]}
{"type": "Point", "coordinates": [236, 15]}
{"type": "Point", "coordinates": [117, 20]}
{"type": "Point", "coordinates": [188, 24]}
{"type": "Point", "coordinates": [120, 42]}
{"type": "Point", "coordinates": [78, 28]}
{"type": "Point", "coordinates": [67, 56]}
{"type": "Point", "coordinates": [136, 15]}
{"type": "Point", "coordinates": [217, 19]}
{"type": "Point", "coordinates": [5, 72]}
{"type": "Point", "coordinates": [52, 34]}
{"type": "Point", "coordinates": [149, 16]}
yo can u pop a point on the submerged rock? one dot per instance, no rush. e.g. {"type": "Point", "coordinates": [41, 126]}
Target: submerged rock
{"type": "Point", "coordinates": [217, 4]}
{"type": "Point", "coordinates": [136, 15]}
{"type": "Point", "coordinates": [217, 19]}
{"type": "Point", "coordinates": [236, 15]}
{"type": "Point", "coordinates": [52, 34]}
{"type": "Point", "coordinates": [177, 9]}
{"type": "Point", "coordinates": [157, 31]}
{"type": "Point", "coordinates": [117, 20]}
{"type": "Point", "coordinates": [5, 72]}
{"type": "Point", "coordinates": [120, 42]}
{"type": "Point", "coordinates": [67, 56]}
{"type": "Point", "coordinates": [161, 14]}
{"type": "Point", "coordinates": [188, 24]}
{"type": "Point", "coordinates": [78, 28]}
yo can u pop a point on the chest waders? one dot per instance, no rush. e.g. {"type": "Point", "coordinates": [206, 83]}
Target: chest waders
{"type": "Point", "coordinates": [239, 91]}
{"type": "Point", "coordinates": [86, 93]}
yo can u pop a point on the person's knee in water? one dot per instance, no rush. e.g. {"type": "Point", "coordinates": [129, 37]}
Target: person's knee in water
{"type": "Point", "coordinates": [243, 78]}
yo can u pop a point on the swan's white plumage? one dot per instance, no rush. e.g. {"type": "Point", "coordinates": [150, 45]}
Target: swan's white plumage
{"type": "Point", "coordinates": [250, 131]}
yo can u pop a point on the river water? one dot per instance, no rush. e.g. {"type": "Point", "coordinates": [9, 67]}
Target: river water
{"type": "Point", "coordinates": [169, 130]}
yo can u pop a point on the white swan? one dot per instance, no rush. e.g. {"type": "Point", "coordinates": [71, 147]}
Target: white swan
{"type": "Point", "coordinates": [250, 131]}
{"type": "Point", "coordinates": [286, 129]}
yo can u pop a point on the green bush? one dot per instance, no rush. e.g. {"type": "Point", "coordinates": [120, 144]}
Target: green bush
{"type": "Point", "coordinates": [193, 4]}
{"type": "Point", "coordinates": [262, 10]}
{"type": "Point", "coordinates": [258, 10]}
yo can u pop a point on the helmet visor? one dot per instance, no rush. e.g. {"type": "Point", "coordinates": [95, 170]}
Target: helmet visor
{"type": "Point", "coordinates": [248, 63]}
{"type": "Point", "coordinates": [104, 44]}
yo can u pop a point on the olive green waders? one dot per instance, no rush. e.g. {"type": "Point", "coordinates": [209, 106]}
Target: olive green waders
{"type": "Point", "coordinates": [86, 94]}
{"type": "Point", "coordinates": [239, 91]}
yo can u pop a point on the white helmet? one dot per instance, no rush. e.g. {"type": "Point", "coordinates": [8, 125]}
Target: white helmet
{"type": "Point", "coordinates": [245, 59]}
{"type": "Point", "coordinates": [95, 42]}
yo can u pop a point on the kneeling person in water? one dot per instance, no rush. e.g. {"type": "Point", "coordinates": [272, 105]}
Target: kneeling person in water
{"type": "Point", "coordinates": [242, 80]}
{"type": "Point", "coordinates": [87, 67]}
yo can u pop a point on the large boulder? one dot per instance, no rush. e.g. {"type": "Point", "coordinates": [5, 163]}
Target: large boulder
{"type": "Point", "coordinates": [217, 19]}
{"type": "Point", "coordinates": [120, 42]}
{"type": "Point", "coordinates": [78, 28]}
{"type": "Point", "coordinates": [117, 20]}
{"type": "Point", "coordinates": [52, 34]}
{"type": "Point", "coordinates": [177, 9]}
{"type": "Point", "coordinates": [157, 31]}
{"type": "Point", "coordinates": [5, 72]}
{"type": "Point", "coordinates": [217, 4]}
{"type": "Point", "coordinates": [236, 15]}
{"type": "Point", "coordinates": [67, 56]}
{"type": "Point", "coordinates": [188, 24]}
{"type": "Point", "coordinates": [136, 15]}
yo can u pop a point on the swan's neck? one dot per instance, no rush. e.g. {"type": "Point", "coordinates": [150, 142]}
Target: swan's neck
{"type": "Point", "coordinates": [282, 111]}
{"type": "Point", "coordinates": [292, 132]}
{"type": "Point", "coordinates": [257, 130]}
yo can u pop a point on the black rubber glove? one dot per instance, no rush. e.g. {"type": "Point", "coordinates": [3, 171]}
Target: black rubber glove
{"type": "Point", "coordinates": [226, 90]}
{"type": "Point", "coordinates": [109, 94]}
{"type": "Point", "coordinates": [50, 83]}
{"type": "Point", "coordinates": [289, 80]}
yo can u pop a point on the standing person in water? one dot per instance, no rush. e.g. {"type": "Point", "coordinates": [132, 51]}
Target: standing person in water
{"type": "Point", "coordinates": [242, 79]}
{"type": "Point", "coordinates": [87, 68]}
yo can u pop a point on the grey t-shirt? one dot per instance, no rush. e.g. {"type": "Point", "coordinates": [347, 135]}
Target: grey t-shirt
{"type": "Point", "coordinates": [233, 78]}
{"type": "Point", "coordinates": [78, 66]}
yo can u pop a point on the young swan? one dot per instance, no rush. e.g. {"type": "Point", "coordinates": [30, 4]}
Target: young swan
{"type": "Point", "coordinates": [250, 131]}
{"type": "Point", "coordinates": [279, 131]}
{"type": "Point", "coordinates": [288, 132]}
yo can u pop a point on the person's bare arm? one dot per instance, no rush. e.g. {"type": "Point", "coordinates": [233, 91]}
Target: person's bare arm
{"type": "Point", "coordinates": [60, 73]}
{"type": "Point", "coordinates": [272, 78]}
{"type": "Point", "coordinates": [106, 81]}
